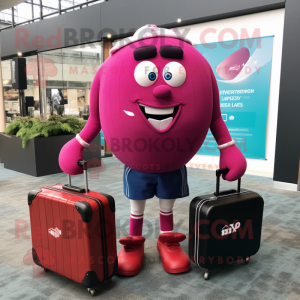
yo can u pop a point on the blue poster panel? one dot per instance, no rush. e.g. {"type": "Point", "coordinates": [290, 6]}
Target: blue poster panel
{"type": "Point", "coordinates": [243, 70]}
{"type": "Point", "coordinates": [102, 137]}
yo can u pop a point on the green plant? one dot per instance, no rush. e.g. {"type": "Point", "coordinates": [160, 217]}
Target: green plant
{"type": "Point", "coordinates": [28, 128]}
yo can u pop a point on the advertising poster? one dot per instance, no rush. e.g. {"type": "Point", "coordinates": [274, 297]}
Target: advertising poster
{"type": "Point", "coordinates": [102, 138]}
{"type": "Point", "coordinates": [243, 70]}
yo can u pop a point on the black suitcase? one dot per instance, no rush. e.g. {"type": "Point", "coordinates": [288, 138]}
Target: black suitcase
{"type": "Point", "coordinates": [225, 227]}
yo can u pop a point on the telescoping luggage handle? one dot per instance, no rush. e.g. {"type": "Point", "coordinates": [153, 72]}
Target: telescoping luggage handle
{"type": "Point", "coordinates": [220, 172]}
{"type": "Point", "coordinates": [69, 186]}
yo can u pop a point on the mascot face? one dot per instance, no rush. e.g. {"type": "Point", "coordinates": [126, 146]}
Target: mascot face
{"type": "Point", "coordinates": [156, 103]}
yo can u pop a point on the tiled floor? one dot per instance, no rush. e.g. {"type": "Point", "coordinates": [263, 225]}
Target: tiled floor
{"type": "Point", "coordinates": [274, 272]}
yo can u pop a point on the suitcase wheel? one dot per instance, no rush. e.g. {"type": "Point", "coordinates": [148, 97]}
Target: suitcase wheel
{"type": "Point", "coordinates": [247, 260]}
{"type": "Point", "coordinates": [91, 291]}
{"type": "Point", "coordinates": [207, 274]}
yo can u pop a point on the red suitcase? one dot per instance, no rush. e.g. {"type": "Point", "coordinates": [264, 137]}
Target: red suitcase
{"type": "Point", "coordinates": [73, 232]}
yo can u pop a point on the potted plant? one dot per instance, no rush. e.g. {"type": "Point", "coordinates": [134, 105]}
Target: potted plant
{"type": "Point", "coordinates": [32, 145]}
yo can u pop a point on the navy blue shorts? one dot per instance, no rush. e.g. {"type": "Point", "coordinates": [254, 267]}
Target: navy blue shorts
{"type": "Point", "coordinates": [142, 186]}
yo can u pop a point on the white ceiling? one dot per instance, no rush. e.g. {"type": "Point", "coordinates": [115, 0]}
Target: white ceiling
{"type": "Point", "coordinates": [4, 4]}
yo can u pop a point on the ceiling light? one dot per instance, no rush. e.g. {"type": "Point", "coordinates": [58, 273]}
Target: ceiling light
{"type": "Point", "coordinates": [19, 53]}
{"type": "Point", "coordinates": [108, 36]}
{"type": "Point", "coordinates": [178, 20]}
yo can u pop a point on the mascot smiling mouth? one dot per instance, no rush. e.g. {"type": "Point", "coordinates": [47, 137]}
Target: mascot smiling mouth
{"type": "Point", "coordinates": [159, 118]}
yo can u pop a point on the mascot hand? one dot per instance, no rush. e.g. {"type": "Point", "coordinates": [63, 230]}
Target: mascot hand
{"type": "Point", "coordinates": [233, 159]}
{"type": "Point", "coordinates": [69, 156]}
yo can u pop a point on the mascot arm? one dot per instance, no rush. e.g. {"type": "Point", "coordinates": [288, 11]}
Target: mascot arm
{"type": "Point", "coordinates": [230, 155]}
{"type": "Point", "coordinates": [73, 150]}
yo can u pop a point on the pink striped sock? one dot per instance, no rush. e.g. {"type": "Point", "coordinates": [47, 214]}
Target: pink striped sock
{"type": "Point", "coordinates": [136, 225]}
{"type": "Point", "coordinates": [166, 221]}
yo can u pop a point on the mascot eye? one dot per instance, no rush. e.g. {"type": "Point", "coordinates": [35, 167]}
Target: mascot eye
{"type": "Point", "coordinates": [174, 74]}
{"type": "Point", "coordinates": [145, 73]}
{"type": "Point", "coordinates": [168, 75]}
{"type": "Point", "coordinates": [152, 76]}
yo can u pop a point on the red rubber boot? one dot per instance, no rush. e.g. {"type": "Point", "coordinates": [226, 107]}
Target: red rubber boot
{"type": "Point", "coordinates": [173, 257]}
{"type": "Point", "coordinates": [130, 258]}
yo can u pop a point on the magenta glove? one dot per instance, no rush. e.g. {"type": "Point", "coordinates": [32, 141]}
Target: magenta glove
{"type": "Point", "coordinates": [233, 159]}
{"type": "Point", "coordinates": [69, 155]}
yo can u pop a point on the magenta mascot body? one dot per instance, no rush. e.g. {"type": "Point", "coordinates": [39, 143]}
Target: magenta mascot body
{"type": "Point", "coordinates": [155, 99]}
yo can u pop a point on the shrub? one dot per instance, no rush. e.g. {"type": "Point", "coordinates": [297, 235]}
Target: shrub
{"type": "Point", "coordinates": [28, 128]}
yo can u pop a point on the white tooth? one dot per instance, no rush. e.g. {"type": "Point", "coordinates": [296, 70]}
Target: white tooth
{"type": "Point", "coordinates": [154, 123]}
{"type": "Point", "coordinates": [160, 124]}
{"type": "Point", "coordinates": [165, 123]}
{"type": "Point", "coordinates": [159, 111]}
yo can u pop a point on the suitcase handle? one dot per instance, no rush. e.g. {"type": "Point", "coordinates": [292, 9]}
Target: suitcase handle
{"type": "Point", "coordinates": [220, 172]}
{"type": "Point", "coordinates": [70, 187]}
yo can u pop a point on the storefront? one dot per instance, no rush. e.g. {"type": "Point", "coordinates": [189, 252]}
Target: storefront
{"type": "Point", "coordinates": [58, 80]}
{"type": "Point", "coordinates": [62, 76]}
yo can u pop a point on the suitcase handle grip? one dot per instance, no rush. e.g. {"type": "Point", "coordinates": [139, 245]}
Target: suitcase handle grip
{"type": "Point", "coordinates": [220, 172]}
{"type": "Point", "coordinates": [69, 186]}
{"type": "Point", "coordinates": [83, 164]}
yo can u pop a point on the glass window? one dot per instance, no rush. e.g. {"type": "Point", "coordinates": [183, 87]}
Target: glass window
{"type": "Point", "coordinates": [5, 18]}
{"type": "Point", "coordinates": [27, 12]}
{"type": "Point", "coordinates": [80, 65]}
{"type": "Point", "coordinates": [51, 3]}
{"type": "Point", "coordinates": [36, 10]}
{"type": "Point", "coordinates": [6, 73]}
{"type": "Point", "coordinates": [33, 82]}
{"type": "Point", "coordinates": [50, 79]}
{"type": "Point", "coordinates": [66, 76]}
{"type": "Point", "coordinates": [49, 7]}
{"type": "Point", "coordinates": [22, 12]}
{"type": "Point", "coordinates": [11, 96]}
{"type": "Point", "coordinates": [66, 4]}
{"type": "Point", "coordinates": [70, 3]}
{"type": "Point", "coordinates": [59, 81]}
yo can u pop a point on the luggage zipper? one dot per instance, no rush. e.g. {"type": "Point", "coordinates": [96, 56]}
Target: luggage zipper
{"type": "Point", "coordinates": [202, 202]}
{"type": "Point", "coordinates": [103, 231]}
{"type": "Point", "coordinates": [196, 247]}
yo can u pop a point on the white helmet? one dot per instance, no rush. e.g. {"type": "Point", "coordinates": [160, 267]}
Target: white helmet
{"type": "Point", "coordinates": [146, 32]}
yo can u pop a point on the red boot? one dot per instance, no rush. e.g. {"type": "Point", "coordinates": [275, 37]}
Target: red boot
{"type": "Point", "coordinates": [130, 258]}
{"type": "Point", "coordinates": [173, 257]}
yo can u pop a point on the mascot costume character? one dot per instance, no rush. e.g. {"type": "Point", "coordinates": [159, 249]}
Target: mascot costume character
{"type": "Point", "coordinates": [155, 99]}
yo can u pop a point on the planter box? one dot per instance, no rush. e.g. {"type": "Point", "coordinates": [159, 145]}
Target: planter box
{"type": "Point", "coordinates": [40, 156]}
